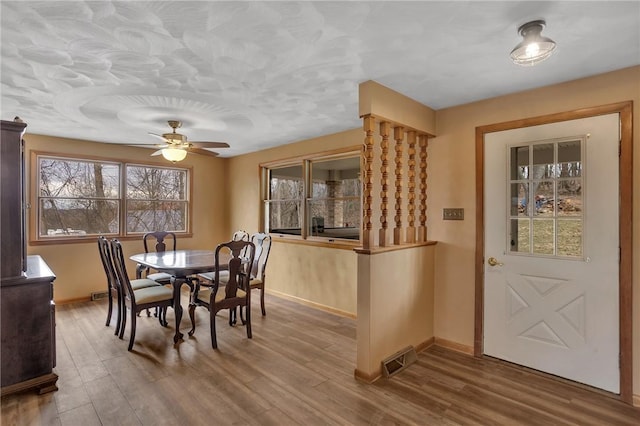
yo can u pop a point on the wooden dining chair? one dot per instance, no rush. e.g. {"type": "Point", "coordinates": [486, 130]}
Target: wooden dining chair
{"type": "Point", "coordinates": [157, 296]}
{"type": "Point", "coordinates": [226, 290]}
{"type": "Point", "coordinates": [262, 242]}
{"type": "Point", "coordinates": [113, 289]}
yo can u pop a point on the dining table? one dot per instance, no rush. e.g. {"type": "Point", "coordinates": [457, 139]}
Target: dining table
{"type": "Point", "coordinates": [183, 266]}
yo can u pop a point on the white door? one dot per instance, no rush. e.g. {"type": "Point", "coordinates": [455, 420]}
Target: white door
{"type": "Point", "coordinates": [551, 224]}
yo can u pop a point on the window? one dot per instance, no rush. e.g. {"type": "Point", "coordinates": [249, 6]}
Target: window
{"type": "Point", "coordinates": [156, 199]}
{"type": "Point", "coordinates": [546, 205]}
{"type": "Point", "coordinates": [79, 198]}
{"type": "Point", "coordinates": [317, 197]}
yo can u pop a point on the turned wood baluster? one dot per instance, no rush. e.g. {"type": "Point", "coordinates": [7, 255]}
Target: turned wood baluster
{"type": "Point", "coordinates": [411, 197]}
{"type": "Point", "coordinates": [422, 229]}
{"type": "Point", "coordinates": [398, 135]}
{"type": "Point", "coordinates": [385, 129]}
{"type": "Point", "coordinates": [367, 180]}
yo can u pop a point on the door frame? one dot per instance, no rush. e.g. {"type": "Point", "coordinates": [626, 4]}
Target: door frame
{"type": "Point", "coordinates": [625, 109]}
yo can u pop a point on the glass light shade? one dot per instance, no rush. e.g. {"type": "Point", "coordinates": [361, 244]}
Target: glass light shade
{"type": "Point", "coordinates": [534, 48]}
{"type": "Point", "coordinates": [174, 154]}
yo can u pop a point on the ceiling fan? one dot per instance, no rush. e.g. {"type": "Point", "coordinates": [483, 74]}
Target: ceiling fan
{"type": "Point", "coordinates": [176, 146]}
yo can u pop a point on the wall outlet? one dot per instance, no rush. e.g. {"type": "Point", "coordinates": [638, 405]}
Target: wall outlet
{"type": "Point", "coordinates": [453, 214]}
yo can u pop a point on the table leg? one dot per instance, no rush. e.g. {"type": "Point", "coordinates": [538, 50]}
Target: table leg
{"type": "Point", "coordinates": [177, 282]}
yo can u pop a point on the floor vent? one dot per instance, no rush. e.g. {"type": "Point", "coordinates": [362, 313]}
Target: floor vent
{"type": "Point", "coordinates": [99, 295]}
{"type": "Point", "coordinates": [398, 361]}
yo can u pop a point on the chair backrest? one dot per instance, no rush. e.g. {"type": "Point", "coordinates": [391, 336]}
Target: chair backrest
{"type": "Point", "coordinates": [121, 269]}
{"type": "Point", "coordinates": [159, 237]}
{"type": "Point", "coordinates": [107, 262]}
{"type": "Point", "coordinates": [263, 247]}
{"type": "Point", "coordinates": [240, 235]}
{"type": "Point", "coordinates": [241, 252]}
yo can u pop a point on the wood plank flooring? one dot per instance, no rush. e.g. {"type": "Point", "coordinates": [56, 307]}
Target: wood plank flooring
{"type": "Point", "coordinates": [297, 369]}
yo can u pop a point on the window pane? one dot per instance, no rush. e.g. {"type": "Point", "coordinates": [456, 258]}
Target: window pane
{"type": "Point", "coordinates": [66, 217]}
{"type": "Point", "coordinates": [569, 159]}
{"type": "Point", "coordinates": [335, 178]}
{"type": "Point", "coordinates": [519, 199]}
{"type": "Point", "coordinates": [543, 162]}
{"type": "Point", "coordinates": [286, 183]}
{"type": "Point", "coordinates": [570, 197]}
{"type": "Point", "coordinates": [543, 236]}
{"type": "Point", "coordinates": [285, 217]}
{"type": "Point", "coordinates": [334, 218]}
{"type": "Point", "coordinates": [570, 238]}
{"type": "Point", "coordinates": [78, 179]}
{"type": "Point", "coordinates": [519, 162]}
{"type": "Point", "coordinates": [544, 199]}
{"type": "Point", "coordinates": [151, 183]}
{"type": "Point", "coordinates": [147, 216]}
{"type": "Point", "coordinates": [520, 232]}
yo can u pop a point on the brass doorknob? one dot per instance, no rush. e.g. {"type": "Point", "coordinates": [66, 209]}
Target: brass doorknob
{"type": "Point", "coordinates": [494, 262]}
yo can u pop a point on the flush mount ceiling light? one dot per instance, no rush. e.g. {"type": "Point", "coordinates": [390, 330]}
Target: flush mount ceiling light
{"type": "Point", "coordinates": [534, 48]}
{"type": "Point", "coordinates": [174, 154]}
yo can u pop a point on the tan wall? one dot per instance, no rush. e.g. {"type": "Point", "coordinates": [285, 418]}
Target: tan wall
{"type": "Point", "coordinates": [77, 266]}
{"type": "Point", "coordinates": [451, 183]}
{"type": "Point", "coordinates": [316, 274]}
{"type": "Point", "coordinates": [395, 305]}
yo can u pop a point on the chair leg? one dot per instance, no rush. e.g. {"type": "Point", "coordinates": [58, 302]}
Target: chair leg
{"type": "Point", "coordinates": [248, 324]}
{"type": "Point", "coordinates": [242, 316]}
{"type": "Point", "coordinates": [133, 330]}
{"type": "Point", "coordinates": [233, 315]}
{"type": "Point", "coordinates": [264, 312]}
{"type": "Point", "coordinates": [192, 317]}
{"type": "Point", "coordinates": [119, 314]}
{"type": "Point", "coordinates": [214, 340]}
{"type": "Point", "coordinates": [110, 308]}
{"type": "Point", "coordinates": [123, 314]}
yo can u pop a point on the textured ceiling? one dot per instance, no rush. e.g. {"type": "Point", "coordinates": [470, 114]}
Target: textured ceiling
{"type": "Point", "coordinates": [260, 74]}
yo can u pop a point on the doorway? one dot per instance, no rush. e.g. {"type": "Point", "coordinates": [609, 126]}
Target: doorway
{"type": "Point", "coordinates": [547, 257]}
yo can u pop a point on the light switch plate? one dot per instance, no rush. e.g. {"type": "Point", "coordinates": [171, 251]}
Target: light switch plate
{"type": "Point", "coordinates": [453, 214]}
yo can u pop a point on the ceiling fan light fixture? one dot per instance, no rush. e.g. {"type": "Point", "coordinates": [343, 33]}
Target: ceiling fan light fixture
{"type": "Point", "coordinates": [174, 154]}
{"type": "Point", "coordinates": [534, 48]}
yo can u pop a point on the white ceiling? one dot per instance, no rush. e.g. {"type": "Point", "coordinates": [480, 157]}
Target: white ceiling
{"type": "Point", "coordinates": [261, 74]}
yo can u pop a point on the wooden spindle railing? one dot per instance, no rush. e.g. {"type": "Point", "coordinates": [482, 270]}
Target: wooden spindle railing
{"type": "Point", "coordinates": [367, 199]}
{"type": "Point", "coordinates": [422, 229]}
{"type": "Point", "coordinates": [414, 140]}
{"type": "Point", "coordinates": [398, 135]}
{"type": "Point", "coordinates": [384, 181]}
{"type": "Point", "coordinates": [411, 188]}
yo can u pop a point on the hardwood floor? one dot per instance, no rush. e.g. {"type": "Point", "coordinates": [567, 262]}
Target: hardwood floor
{"type": "Point", "coordinates": [297, 369]}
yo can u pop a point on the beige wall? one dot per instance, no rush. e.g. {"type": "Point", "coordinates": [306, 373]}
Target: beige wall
{"type": "Point", "coordinates": [451, 183]}
{"type": "Point", "coordinates": [77, 266]}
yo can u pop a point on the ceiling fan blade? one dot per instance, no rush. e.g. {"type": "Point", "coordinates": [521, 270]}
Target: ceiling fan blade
{"type": "Point", "coordinates": [155, 145]}
{"type": "Point", "coordinates": [158, 136]}
{"type": "Point", "coordinates": [203, 152]}
{"type": "Point", "coordinates": [158, 152]}
{"type": "Point", "coordinates": [209, 144]}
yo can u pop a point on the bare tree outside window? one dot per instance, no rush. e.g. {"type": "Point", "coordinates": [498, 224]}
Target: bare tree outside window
{"type": "Point", "coordinates": [156, 199]}
{"type": "Point", "coordinates": [78, 197]}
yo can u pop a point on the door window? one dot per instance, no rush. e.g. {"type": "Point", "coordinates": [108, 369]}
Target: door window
{"type": "Point", "coordinates": [546, 198]}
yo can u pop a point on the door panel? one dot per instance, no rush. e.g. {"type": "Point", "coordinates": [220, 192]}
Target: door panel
{"type": "Point", "coordinates": [551, 223]}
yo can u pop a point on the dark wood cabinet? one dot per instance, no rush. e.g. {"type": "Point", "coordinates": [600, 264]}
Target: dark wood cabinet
{"type": "Point", "coordinates": [27, 310]}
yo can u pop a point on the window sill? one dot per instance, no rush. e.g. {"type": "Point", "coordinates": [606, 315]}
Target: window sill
{"type": "Point", "coordinates": [317, 242]}
{"type": "Point", "coordinates": [92, 239]}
